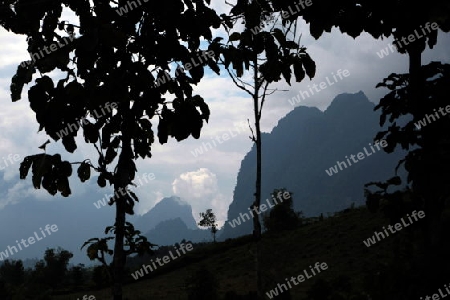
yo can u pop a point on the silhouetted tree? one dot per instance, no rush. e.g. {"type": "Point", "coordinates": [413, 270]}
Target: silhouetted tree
{"type": "Point", "coordinates": [402, 20]}
{"type": "Point", "coordinates": [108, 90]}
{"type": "Point", "coordinates": [269, 54]}
{"type": "Point", "coordinates": [380, 19]}
{"type": "Point", "coordinates": [209, 220]}
{"type": "Point", "coordinates": [424, 134]}
{"type": "Point", "coordinates": [282, 216]}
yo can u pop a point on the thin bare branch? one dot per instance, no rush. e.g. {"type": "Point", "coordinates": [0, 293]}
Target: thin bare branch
{"type": "Point", "coordinates": [237, 84]}
{"type": "Point", "coordinates": [264, 94]}
{"type": "Point", "coordinates": [253, 138]}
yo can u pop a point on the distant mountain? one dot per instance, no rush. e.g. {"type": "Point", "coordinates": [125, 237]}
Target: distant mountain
{"type": "Point", "coordinates": [85, 221]}
{"type": "Point", "coordinates": [170, 221]}
{"type": "Point", "coordinates": [299, 150]}
{"type": "Point", "coordinates": [167, 209]}
{"type": "Point", "coordinates": [173, 231]}
{"type": "Point", "coordinates": [76, 218]}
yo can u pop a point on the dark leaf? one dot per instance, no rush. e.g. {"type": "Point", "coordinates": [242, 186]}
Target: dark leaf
{"type": "Point", "coordinates": [64, 187]}
{"type": "Point", "coordinates": [110, 155]}
{"type": "Point", "coordinates": [65, 169]}
{"type": "Point", "coordinates": [23, 75]}
{"type": "Point", "coordinates": [298, 71]}
{"type": "Point", "coordinates": [69, 143]}
{"type": "Point", "coordinates": [90, 132]}
{"type": "Point", "coordinates": [279, 35]}
{"type": "Point", "coordinates": [235, 36]}
{"type": "Point", "coordinates": [199, 102]}
{"type": "Point", "coordinates": [396, 180]}
{"type": "Point", "coordinates": [25, 166]}
{"type": "Point", "coordinates": [310, 65]}
{"type": "Point", "coordinates": [101, 181]}
{"type": "Point", "coordinates": [84, 171]}
{"type": "Point", "coordinates": [163, 131]}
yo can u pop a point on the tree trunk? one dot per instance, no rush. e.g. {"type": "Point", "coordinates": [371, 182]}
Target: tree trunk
{"type": "Point", "coordinates": [256, 221]}
{"type": "Point", "coordinates": [415, 64]}
{"type": "Point", "coordinates": [122, 179]}
{"type": "Point", "coordinates": [433, 202]}
{"type": "Point", "coordinates": [118, 263]}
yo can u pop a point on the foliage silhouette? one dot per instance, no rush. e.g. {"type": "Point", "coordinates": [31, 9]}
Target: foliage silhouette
{"type": "Point", "coordinates": [209, 220]}
{"type": "Point", "coordinates": [109, 89]}
{"type": "Point", "coordinates": [426, 163]}
{"type": "Point", "coordinates": [269, 56]}
{"type": "Point", "coordinates": [282, 216]}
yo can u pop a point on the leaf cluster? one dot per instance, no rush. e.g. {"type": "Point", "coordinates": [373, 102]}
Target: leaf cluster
{"type": "Point", "coordinates": [429, 150]}
{"type": "Point", "coordinates": [109, 87]}
{"type": "Point", "coordinates": [135, 243]}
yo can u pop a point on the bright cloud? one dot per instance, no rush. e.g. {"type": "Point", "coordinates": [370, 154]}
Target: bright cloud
{"type": "Point", "coordinates": [201, 190]}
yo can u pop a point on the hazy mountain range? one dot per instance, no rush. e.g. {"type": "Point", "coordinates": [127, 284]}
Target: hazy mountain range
{"type": "Point", "coordinates": [299, 150]}
{"type": "Point", "coordinates": [296, 155]}
{"type": "Point", "coordinates": [170, 221]}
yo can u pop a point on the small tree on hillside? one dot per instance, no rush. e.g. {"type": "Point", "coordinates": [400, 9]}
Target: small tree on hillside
{"type": "Point", "coordinates": [209, 220]}
{"type": "Point", "coordinates": [282, 216]}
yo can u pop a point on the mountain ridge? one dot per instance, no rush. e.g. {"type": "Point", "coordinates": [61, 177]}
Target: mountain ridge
{"type": "Point", "coordinates": [299, 149]}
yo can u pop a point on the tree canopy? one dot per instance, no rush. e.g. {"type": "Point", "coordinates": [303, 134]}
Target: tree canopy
{"type": "Point", "coordinates": [109, 88]}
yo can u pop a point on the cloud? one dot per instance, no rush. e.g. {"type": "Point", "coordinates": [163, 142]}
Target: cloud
{"type": "Point", "coordinates": [196, 184]}
{"type": "Point", "coordinates": [19, 191]}
{"type": "Point", "coordinates": [212, 184]}
{"type": "Point", "coordinates": [200, 189]}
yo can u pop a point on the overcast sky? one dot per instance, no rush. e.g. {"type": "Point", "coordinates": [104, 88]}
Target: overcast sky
{"type": "Point", "coordinates": [205, 180]}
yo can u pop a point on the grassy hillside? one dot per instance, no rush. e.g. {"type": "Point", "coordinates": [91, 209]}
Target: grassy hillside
{"type": "Point", "coordinates": [337, 241]}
